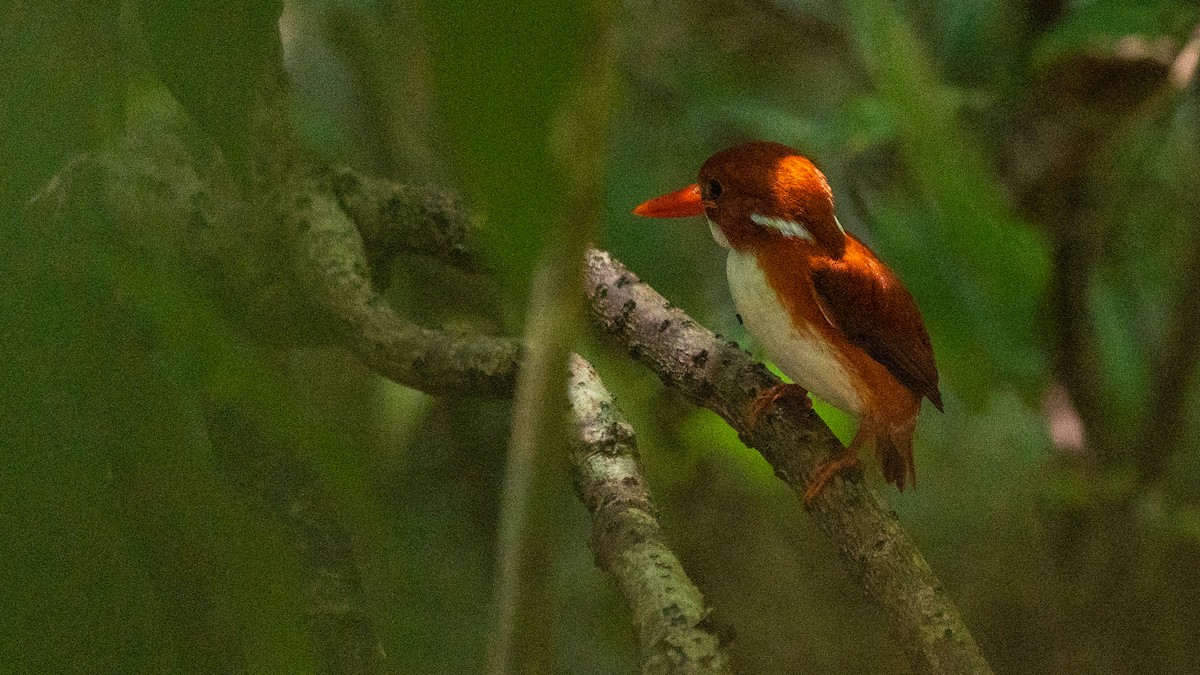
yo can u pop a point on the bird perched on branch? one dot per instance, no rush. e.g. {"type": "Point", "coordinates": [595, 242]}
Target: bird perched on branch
{"type": "Point", "coordinates": [825, 309]}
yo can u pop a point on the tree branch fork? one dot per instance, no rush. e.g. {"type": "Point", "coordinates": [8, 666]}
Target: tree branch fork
{"type": "Point", "coordinates": [342, 231]}
{"type": "Point", "coordinates": [711, 373]}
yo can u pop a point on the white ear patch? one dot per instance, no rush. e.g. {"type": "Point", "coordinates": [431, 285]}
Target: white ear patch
{"type": "Point", "coordinates": [788, 228]}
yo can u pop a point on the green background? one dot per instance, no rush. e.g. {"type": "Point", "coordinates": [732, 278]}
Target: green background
{"type": "Point", "coordinates": [1030, 169]}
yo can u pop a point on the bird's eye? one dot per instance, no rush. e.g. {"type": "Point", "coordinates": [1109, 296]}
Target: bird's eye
{"type": "Point", "coordinates": [714, 189]}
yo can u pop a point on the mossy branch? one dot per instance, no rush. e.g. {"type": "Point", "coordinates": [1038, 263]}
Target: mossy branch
{"type": "Point", "coordinates": [723, 378]}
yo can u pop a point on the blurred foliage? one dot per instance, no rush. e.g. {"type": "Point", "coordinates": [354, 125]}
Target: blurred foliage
{"type": "Point", "coordinates": [502, 74]}
{"type": "Point", "coordinates": [995, 266]}
{"type": "Point", "coordinates": [1001, 156]}
{"type": "Point", "coordinates": [211, 56]}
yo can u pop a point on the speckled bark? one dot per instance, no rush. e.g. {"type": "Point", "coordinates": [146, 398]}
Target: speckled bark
{"type": "Point", "coordinates": [673, 630]}
{"type": "Point", "coordinates": [331, 264]}
{"type": "Point", "coordinates": [668, 611]}
{"type": "Point", "coordinates": [724, 378]}
{"type": "Point", "coordinates": [394, 218]}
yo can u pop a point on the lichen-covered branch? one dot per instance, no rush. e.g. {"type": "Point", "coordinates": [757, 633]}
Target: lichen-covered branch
{"type": "Point", "coordinates": [394, 218]}
{"type": "Point", "coordinates": [668, 611]}
{"type": "Point", "coordinates": [718, 375]}
{"type": "Point", "coordinates": [331, 264]}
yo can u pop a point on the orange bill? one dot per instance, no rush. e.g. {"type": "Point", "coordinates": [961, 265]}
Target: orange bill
{"type": "Point", "coordinates": [678, 204]}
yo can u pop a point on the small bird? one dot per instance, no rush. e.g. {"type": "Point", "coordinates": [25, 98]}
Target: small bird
{"type": "Point", "coordinates": [823, 307]}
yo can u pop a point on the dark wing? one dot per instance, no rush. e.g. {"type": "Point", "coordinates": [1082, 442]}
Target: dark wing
{"type": "Point", "coordinates": [867, 302]}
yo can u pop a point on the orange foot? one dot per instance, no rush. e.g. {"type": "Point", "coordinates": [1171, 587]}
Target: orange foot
{"type": "Point", "coordinates": [846, 459]}
{"type": "Point", "coordinates": [769, 396]}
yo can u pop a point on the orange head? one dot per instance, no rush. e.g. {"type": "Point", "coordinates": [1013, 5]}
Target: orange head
{"type": "Point", "coordinates": [757, 192]}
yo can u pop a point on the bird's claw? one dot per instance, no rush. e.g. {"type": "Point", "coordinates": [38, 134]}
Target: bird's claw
{"type": "Point", "coordinates": [843, 461]}
{"type": "Point", "coordinates": [771, 395]}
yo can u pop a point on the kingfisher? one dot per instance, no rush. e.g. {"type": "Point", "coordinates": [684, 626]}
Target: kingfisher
{"type": "Point", "coordinates": [823, 307]}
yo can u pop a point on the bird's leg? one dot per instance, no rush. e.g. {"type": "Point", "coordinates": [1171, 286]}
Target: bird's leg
{"type": "Point", "coordinates": [771, 395]}
{"type": "Point", "coordinates": [845, 459]}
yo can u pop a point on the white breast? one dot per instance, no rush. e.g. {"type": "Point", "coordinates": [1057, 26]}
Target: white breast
{"type": "Point", "coordinates": [798, 353]}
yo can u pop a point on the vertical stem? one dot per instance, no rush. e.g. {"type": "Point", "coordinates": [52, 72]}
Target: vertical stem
{"type": "Point", "coordinates": [537, 436]}
{"type": "Point", "coordinates": [518, 641]}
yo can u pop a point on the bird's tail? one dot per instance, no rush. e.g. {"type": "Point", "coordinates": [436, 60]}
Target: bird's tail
{"type": "Point", "coordinates": [894, 449]}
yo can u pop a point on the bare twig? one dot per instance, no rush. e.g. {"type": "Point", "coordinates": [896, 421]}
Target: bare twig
{"type": "Point", "coordinates": [723, 378]}
{"type": "Point", "coordinates": [668, 611]}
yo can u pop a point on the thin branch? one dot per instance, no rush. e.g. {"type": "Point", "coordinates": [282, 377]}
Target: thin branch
{"type": "Point", "coordinates": [394, 218]}
{"type": "Point", "coordinates": [518, 639]}
{"type": "Point", "coordinates": [720, 376]}
{"type": "Point", "coordinates": [672, 622]}
{"type": "Point", "coordinates": [672, 625]}
{"type": "Point", "coordinates": [331, 264]}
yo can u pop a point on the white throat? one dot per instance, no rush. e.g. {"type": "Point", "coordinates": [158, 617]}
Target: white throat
{"type": "Point", "coordinates": [717, 235]}
{"type": "Point", "coordinates": [799, 351]}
